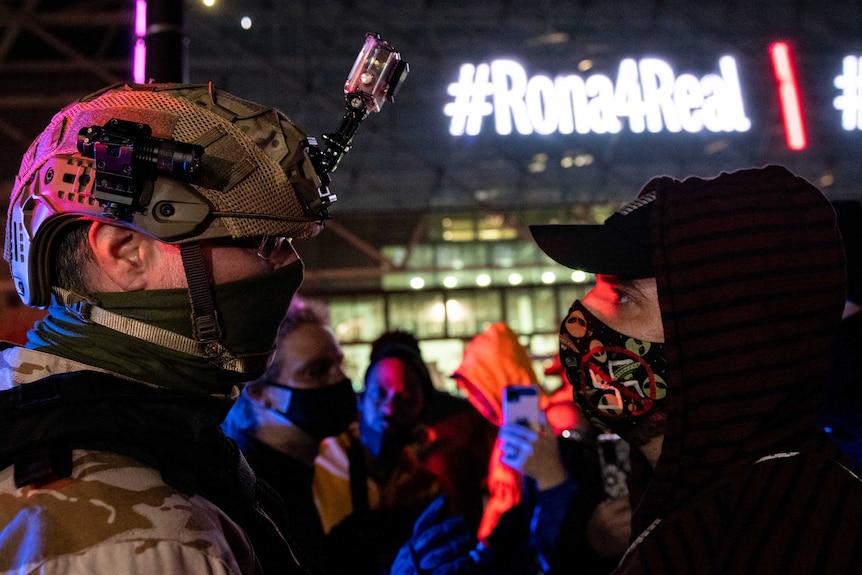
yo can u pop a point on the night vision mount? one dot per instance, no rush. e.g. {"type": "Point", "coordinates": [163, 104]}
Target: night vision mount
{"type": "Point", "coordinates": [128, 159]}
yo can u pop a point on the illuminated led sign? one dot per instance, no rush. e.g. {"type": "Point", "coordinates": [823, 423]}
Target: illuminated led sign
{"type": "Point", "coordinates": [646, 95]}
{"type": "Point", "coordinates": [849, 102]}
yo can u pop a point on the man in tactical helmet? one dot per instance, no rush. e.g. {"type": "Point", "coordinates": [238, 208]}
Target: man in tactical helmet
{"type": "Point", "coordinates": [154, 222]}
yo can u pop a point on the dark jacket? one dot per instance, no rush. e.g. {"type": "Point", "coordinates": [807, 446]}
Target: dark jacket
{"type": "Point", "coordinates": [289, 477]}
{"type": "Point", "coordinates": [750, 276]}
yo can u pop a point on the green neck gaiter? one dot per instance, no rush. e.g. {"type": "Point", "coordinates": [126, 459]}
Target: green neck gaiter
{"type": "Point", "coordinates": [250, 311]}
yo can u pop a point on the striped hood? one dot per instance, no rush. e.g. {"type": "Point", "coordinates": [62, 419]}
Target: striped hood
{"type": "Point", "coordinates": [750, 275]}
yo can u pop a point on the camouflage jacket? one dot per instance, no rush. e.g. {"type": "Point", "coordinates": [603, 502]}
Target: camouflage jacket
{"type": "Point", "coordinates": [99, 474]}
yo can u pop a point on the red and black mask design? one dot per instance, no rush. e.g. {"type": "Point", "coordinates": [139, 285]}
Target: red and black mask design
{"type": "Point", "coordinates": [617, 379]}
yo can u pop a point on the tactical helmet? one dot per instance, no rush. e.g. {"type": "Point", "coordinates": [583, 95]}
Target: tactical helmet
{"type": "Point", "coordinates": [214, 166]}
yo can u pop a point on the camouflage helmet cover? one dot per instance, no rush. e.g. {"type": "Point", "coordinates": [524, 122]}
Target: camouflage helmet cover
{"type": "Point", "coordinates": [254, 178]}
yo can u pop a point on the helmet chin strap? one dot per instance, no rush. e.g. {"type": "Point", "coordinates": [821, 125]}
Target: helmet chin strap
{"type": "Point", "coordinates": [204, 317]}
{"type": "Point", "coordinates": [205, 322]}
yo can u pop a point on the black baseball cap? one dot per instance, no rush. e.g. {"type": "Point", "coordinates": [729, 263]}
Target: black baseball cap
{"type": "Point", "coordinates": [620, 246]}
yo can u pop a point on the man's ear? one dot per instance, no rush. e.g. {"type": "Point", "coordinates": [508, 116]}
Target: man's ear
{"type": "Point", "coordinates": [124, 257]}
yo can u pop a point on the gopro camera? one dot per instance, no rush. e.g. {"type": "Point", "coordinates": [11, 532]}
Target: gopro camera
{"type": "Point", "coordinates": [376, 75]}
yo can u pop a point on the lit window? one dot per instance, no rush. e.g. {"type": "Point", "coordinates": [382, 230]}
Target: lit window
{"type": "Point", "coordinates": [455, 310]}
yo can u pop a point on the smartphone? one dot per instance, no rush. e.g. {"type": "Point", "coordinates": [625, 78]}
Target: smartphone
{"type": "Point", "coordinates": [614, 464]}
{"type": "Point", "coordinates": [521, 404]}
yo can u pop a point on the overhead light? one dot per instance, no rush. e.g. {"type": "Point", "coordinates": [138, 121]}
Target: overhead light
{"type": "Point", "coordinates": [582, 160]}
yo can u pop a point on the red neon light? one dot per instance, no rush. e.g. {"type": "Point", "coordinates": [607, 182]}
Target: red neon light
{"type": "Point", "coordinates": [794, 128]}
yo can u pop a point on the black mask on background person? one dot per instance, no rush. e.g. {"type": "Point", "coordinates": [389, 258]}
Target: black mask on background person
{"type": "Point", "coordinates": [321, 411]}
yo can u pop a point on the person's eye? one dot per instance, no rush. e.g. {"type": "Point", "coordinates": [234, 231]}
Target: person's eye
{"type": "Point", "coordinates": [621, 296]}
{"type": "Point", "coordinates": [617, 295]}
{"type": "Point", "coordinates": [318, 370]}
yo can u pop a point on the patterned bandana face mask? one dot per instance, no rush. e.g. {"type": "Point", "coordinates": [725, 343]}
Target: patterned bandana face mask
{"type": "Point", "coordinates": [617, 379]}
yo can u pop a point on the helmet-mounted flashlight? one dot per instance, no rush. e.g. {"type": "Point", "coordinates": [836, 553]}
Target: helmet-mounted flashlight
{"type": "Point", "coordinates": [126, 157]}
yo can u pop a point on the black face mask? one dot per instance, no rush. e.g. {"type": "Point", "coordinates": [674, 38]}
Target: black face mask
{"type": "Point", "coordinates": [322, 411]}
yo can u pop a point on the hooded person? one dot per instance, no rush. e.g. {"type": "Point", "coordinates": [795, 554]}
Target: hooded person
{"type": "Point", "coordinates": [704, 343]}
{"type": "Point", "coordinates": [491, 361]}
{"type": "Point", "coordinates": [155, 223]}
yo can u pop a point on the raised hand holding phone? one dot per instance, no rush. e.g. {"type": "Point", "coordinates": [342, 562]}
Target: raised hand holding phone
{"type": "Point", "coordinates": [528, 444]}
{"type": "Point", "coordinates": [521, 415]}
{"type": "Point", "coordinates": [521, 405]}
